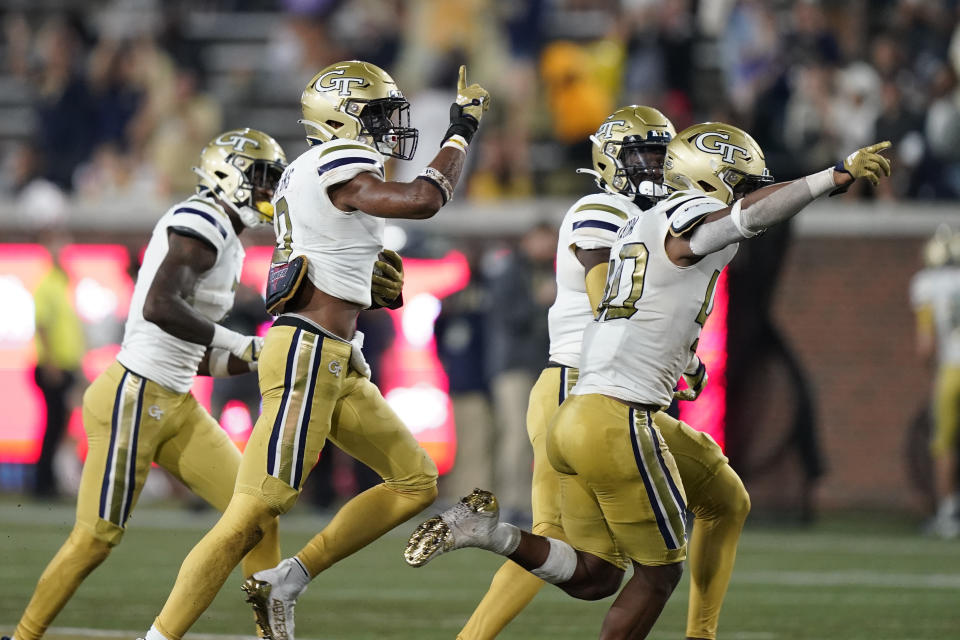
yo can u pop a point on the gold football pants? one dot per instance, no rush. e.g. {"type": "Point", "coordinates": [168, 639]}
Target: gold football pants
{"type": "Point", "coordinates": [310, 393]}
{"type": "Point", "coordinates": [946, 411]}
{"type": "Point", "coordinates": [132, 422]}
{"type": "Point", "coordinates": [714, 492]}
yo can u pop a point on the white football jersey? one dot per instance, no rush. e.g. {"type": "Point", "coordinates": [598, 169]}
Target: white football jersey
{"type": "Point", "coordinates": [340, 247]}
{"type": "Point", "coordinates": [147, 349]}
{"type": "Point", "coordinates": [653, 310]}
{"type": "Point", "coordinates": [940, 289]}
{"type": "Point", "coordinates": [591, 223]}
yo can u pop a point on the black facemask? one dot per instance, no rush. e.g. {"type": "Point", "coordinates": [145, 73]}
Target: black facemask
{"type": "Point", "coordinates": [387, 121]}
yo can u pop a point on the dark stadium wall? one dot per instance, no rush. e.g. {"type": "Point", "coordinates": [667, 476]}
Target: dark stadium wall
{"type": "Point", "coordinates": [841, 305]}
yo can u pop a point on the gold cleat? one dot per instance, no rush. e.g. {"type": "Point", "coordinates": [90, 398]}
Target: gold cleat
{"type": "Point", "coordinates": [258, 595]}
{"type": "Point", "coordinates": [468, 523]}
{"type": "Point", "coordinates": [273, 594]}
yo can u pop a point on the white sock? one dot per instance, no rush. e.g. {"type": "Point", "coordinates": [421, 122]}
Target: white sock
{"type": "Point", "coordinates": [298, 573]}
{"type": "Point", "coordinates": [948, 507]}
{"type": "Point", "coordinates": [560, 564]}
{"type": "Point", "coordinates": [153, 634]}
{"type": "Point", "coordinates": [505, 539]}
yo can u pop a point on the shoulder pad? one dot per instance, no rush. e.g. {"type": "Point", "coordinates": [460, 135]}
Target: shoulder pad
{"type": "Point", "coordinates": [613, 209]}
{"type": "Point", "coordinates": [202, 219]}
{"type": "Point", "coordinates": [339, 156]}
{"type": "Point", "coordinates": [686, 209]}
{"type": "Point", "coordinates": [596, 220]}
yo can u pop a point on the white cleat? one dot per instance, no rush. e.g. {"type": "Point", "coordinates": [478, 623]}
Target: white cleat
{"type": "Point", "coordinates": [273, 593]}
{"type": "Point", "coordinates": [469, 523]}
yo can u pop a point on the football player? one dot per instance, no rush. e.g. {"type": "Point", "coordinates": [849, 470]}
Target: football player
{"type": "Point", "coordinates": [628, 152]}
{"type": "Point", "coordinates": [330, 209]}
{"type": "Point", "coordinates": [622, 501]}
{"type": "Point", "coordinates": [140, 409]}
{"type": "Point", "coordinates": [935, 296]}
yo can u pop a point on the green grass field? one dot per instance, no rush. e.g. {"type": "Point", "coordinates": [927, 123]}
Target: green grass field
{"type": "Point", "coordinates": [856, 578]}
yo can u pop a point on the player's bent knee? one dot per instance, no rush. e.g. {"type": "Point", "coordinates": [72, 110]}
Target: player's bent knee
{"type": "Point", "coordinates": [91, 546]}
{"type": "Point", "coordinates": [419, 497]}
{"type": "Point", "coordinates": [737, 500]}
{"type": "Point", "coordinates": [598, 588]}
{"type": "Point", "coordinates": [600, 580]}
{"type": "Point", "coordinates": [660, 580]}
{"type": "Point", "coordinates": [426, 496]}
{"type": "Point", "coordinates": [741, 505]}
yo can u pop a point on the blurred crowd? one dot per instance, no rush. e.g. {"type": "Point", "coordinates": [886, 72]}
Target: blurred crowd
{"type": "Point", "coordinates": [114, 98]}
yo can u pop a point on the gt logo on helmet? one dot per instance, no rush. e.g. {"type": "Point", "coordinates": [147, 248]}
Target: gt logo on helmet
{"type": "Point", "coordinates": [341, 85]}
{"type": "Point", "coordinates": [606, 129]}
{"type": "Point", "coordinates": [725, 150]}
{"type": "Point", "coordinates": [238, 142]}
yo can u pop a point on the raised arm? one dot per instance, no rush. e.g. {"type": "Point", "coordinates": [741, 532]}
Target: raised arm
{"type": "Point", "coordinates": [433, 188]}
{"type": "Point", "coordinates": [774, 204]}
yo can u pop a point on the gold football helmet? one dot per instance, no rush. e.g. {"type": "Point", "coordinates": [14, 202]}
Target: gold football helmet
{"type": "Point", "coordinates": [628, 151]}
{"type": "Point", "coordinates": [717, 158]}
{"type": "Point", "coordinates": [241, 167]}
{"type": "Point", "coordinates": [359, 101]}
{"type": "Point", "coordinates": [942, 249]}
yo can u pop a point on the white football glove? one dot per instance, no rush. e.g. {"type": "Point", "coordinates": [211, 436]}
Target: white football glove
{"type": "Point", "coordinates": [696, 380]}
{"type": "Point", "coordinates": [357, 361]}
{"type": "Point", "coordinates": [247, 348]}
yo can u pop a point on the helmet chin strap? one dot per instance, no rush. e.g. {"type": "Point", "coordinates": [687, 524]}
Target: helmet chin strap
{"type": "Point", "coordinates": [249, 216]}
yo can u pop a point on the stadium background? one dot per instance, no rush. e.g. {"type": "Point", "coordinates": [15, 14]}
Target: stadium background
{"type": "Point", "coordinates": [815, 387]}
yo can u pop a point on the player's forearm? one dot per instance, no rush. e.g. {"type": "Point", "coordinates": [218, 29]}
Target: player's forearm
{"type": "Point", "coordinates": [760, 210]}
{"type": "Point", "coordinates": [172, 314]}
{"type": "Point", "coordinates": [449, 163]}
{"type": "Point", "coordinates": [218, 363]}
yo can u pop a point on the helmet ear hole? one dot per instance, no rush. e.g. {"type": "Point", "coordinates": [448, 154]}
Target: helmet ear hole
{"type": "Point", "coordinates": [220, 174]}
{"type": "Point", "coordinates": [706, 186]}
{"type": "Point", "coordinates": [334, 124]}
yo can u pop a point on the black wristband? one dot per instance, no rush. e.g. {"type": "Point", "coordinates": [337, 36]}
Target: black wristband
{"type": "Point", "coordinates": [443, 194]}
{"type": "Point", "coordinates": [461, 124]}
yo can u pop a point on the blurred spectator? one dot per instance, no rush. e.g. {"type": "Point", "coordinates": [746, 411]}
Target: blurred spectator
{"type": "Point", "coordinates": [522, 288]}
{"type": "Point", "coordinates": [64, 107]}
{"type": "Point", "coordinates": [943, 132]}
{"type": "Point", "coordinates": [577, 97]}
{"type": "Point", "coordinates": [855, 108]}
{"type": "Point", "coordinates": [810, 79]}
{"type": "Point", "coordinates": [116, 97]}
{"type": "Point", "coordinates": [188, 124]}
{"type": "Point", "coordinates": [39, 202]}
{"type": "Point", "coordinates": [902, 127]}
{"type": "Point", "coordinates": [60, 348]}
{"type": "Point", "coordinates": [461, 346]}
{"type": "Point", "coordinates": [807, 116]}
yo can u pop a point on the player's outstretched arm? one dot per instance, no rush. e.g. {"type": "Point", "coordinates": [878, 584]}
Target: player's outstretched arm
{"type": "Point", "coordinates": [775, 204]}
{"type": "Point", "coordinates": [187, 259]}
{"type": "Point", "coordinates": [434, 187]}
